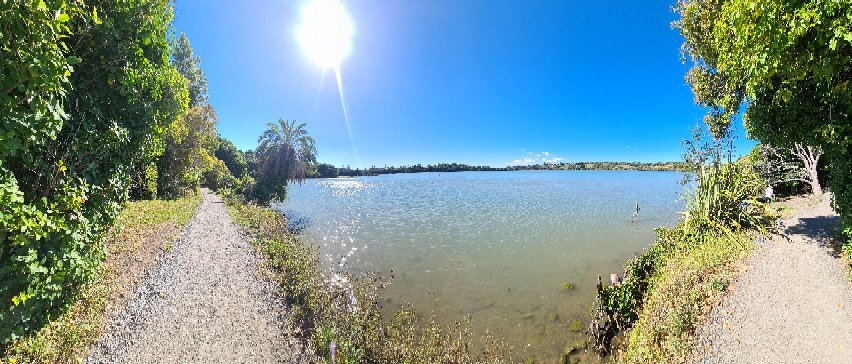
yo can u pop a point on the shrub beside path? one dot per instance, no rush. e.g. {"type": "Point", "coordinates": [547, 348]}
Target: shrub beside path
{"type": "Point", "coordinates": [207, 301]}
{"type": "Point", "coordinates": [792, 303]}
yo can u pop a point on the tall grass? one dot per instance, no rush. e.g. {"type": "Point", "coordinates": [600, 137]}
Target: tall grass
{"type": "Point", "coordinates": [724, 201]}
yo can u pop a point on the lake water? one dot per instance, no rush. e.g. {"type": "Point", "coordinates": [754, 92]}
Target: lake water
{"type": "Point", "coordinates": [495, 245]}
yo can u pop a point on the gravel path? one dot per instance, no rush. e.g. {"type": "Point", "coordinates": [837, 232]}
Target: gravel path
{"type": "Point", "coordinates": [791, 304]}
{"type": "Point", "coordinates": [206, 301]}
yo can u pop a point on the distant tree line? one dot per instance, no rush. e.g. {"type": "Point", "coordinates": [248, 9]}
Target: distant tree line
{"type": "Point", "coordinates": [602, 166]}
{"type": "Point", "coordinates": [325, 170]}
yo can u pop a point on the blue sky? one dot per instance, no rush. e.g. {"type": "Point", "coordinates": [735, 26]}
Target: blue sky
{"type": "Point", "coordinates": [477, 82]}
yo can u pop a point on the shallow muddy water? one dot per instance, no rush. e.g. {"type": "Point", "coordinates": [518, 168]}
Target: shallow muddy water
{"type": "Point", "coordinates": [498, 246]}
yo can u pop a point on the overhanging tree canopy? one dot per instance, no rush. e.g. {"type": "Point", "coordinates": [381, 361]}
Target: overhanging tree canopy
{"type": "Point", "coordinates": [788, 64]}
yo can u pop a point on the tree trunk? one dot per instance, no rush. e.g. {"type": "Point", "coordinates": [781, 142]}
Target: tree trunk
{"type": "Point", "coordinates": [810, 157]}
{"type": "Point", "coordinates": [815, 187]}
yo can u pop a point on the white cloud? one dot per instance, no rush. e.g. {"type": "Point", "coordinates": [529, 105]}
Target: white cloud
{"type": "Point", "coordinates": [530, 158]}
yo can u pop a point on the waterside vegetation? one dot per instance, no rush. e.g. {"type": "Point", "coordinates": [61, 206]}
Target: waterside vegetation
{"type": "Point", "coordinates": [334, 309]}
{"type": "Point", "coordinates": [664, 291]}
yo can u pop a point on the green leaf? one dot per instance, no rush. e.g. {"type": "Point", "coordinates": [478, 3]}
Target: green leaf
{"type": "Point", "coordinates": [63, 17]}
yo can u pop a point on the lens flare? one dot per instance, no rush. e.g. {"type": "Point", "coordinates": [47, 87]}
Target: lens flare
{"type": "Point", "coordinates": [346, 115]}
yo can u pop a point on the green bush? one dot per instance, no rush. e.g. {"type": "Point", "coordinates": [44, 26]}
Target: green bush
{"type": "Point", "coordinates": [325, 170]}
{"type": "Point", "coordinates": [70, 138]}
{"type": "Point", "coordinates": [191, 141]}
{"type": "Point", "coordinates": [840, 181]}
{"type": "Point", "coordinates": [144, 182]}
{"type": "Point", "coordinates": [619, 303]}
{"type": "Point", "coordinates": [244, 185]}
{"type": "Point", "coordinates": [217, 177]}
{"type": "Point", "coordinates": [68, 336]}
{"type": "Point", "coordinates": [233, 158]}
{"type": "Point", "coordinates": [188, 146]}
{"type": "Point", "coordinates": [724, 199]}
{"type": "Point", "coordinates": [34, 78]}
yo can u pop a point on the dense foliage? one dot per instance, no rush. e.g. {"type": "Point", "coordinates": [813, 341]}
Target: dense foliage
{"type": "Point", "coordinates": [325, 170]}
{"type": "Point", "coordinates": [788, 170]}
{"type": "Point", "coordinates": [189, 66]}
{"type": "Point", "coordinates": [87, 90]}
{"type": "Point", "coordinates": [233, 158]}
{"type": "Point", "coordinates": [188, 153]}
{"type": "Point", "coordinates": [189, 142]}
{"type": "Point", "coordinates": [35, 68]}
{"type": "Point", "coordinates": [240, 174]}
{"type": "Point", "coordinates": [841, 187]}
{"type": "Point", "coordinates": [788, 63]}
{"type": "Point", "coordinates": [141, 226]}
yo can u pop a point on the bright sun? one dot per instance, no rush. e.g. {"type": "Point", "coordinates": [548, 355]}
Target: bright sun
{"type": "Point", "coordinates": [325, 32]}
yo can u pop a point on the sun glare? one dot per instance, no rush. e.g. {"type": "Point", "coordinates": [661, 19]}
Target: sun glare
{"type": "Point", "coordinates": [325, 32]}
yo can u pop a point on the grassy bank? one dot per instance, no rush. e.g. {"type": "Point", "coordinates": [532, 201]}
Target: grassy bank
{"type": "Point", "coordinates": [333, 308]}
{"type": "Point", "coordinates": [142, 233]}
{"type": "Point", "coordinates": [688, 281]}
{"type": "Point", "coordinates": [665, 293]}
{"type": "Point", "coordinates": [668, 288]}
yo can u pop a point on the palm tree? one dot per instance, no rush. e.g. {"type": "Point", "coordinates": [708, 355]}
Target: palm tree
{"type": "Point", "coordinates": [285, 153]}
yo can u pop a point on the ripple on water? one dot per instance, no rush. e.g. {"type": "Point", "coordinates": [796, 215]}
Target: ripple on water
{"type": "Point", "coordinates": [497, 245]}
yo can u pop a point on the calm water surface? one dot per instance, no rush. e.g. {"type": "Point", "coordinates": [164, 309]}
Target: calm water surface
{"type": "Point", "coordinates": [494, 245]}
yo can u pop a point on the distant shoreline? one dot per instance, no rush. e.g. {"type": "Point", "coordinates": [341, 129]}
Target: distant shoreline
{"type": "Point", "coordinates": [506, 170]}
{"type": "Point", "coordinates": [329, 171]}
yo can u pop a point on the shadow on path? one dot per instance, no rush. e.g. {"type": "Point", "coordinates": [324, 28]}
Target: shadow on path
{"type": "Point", "coordinates": [822, 230]}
